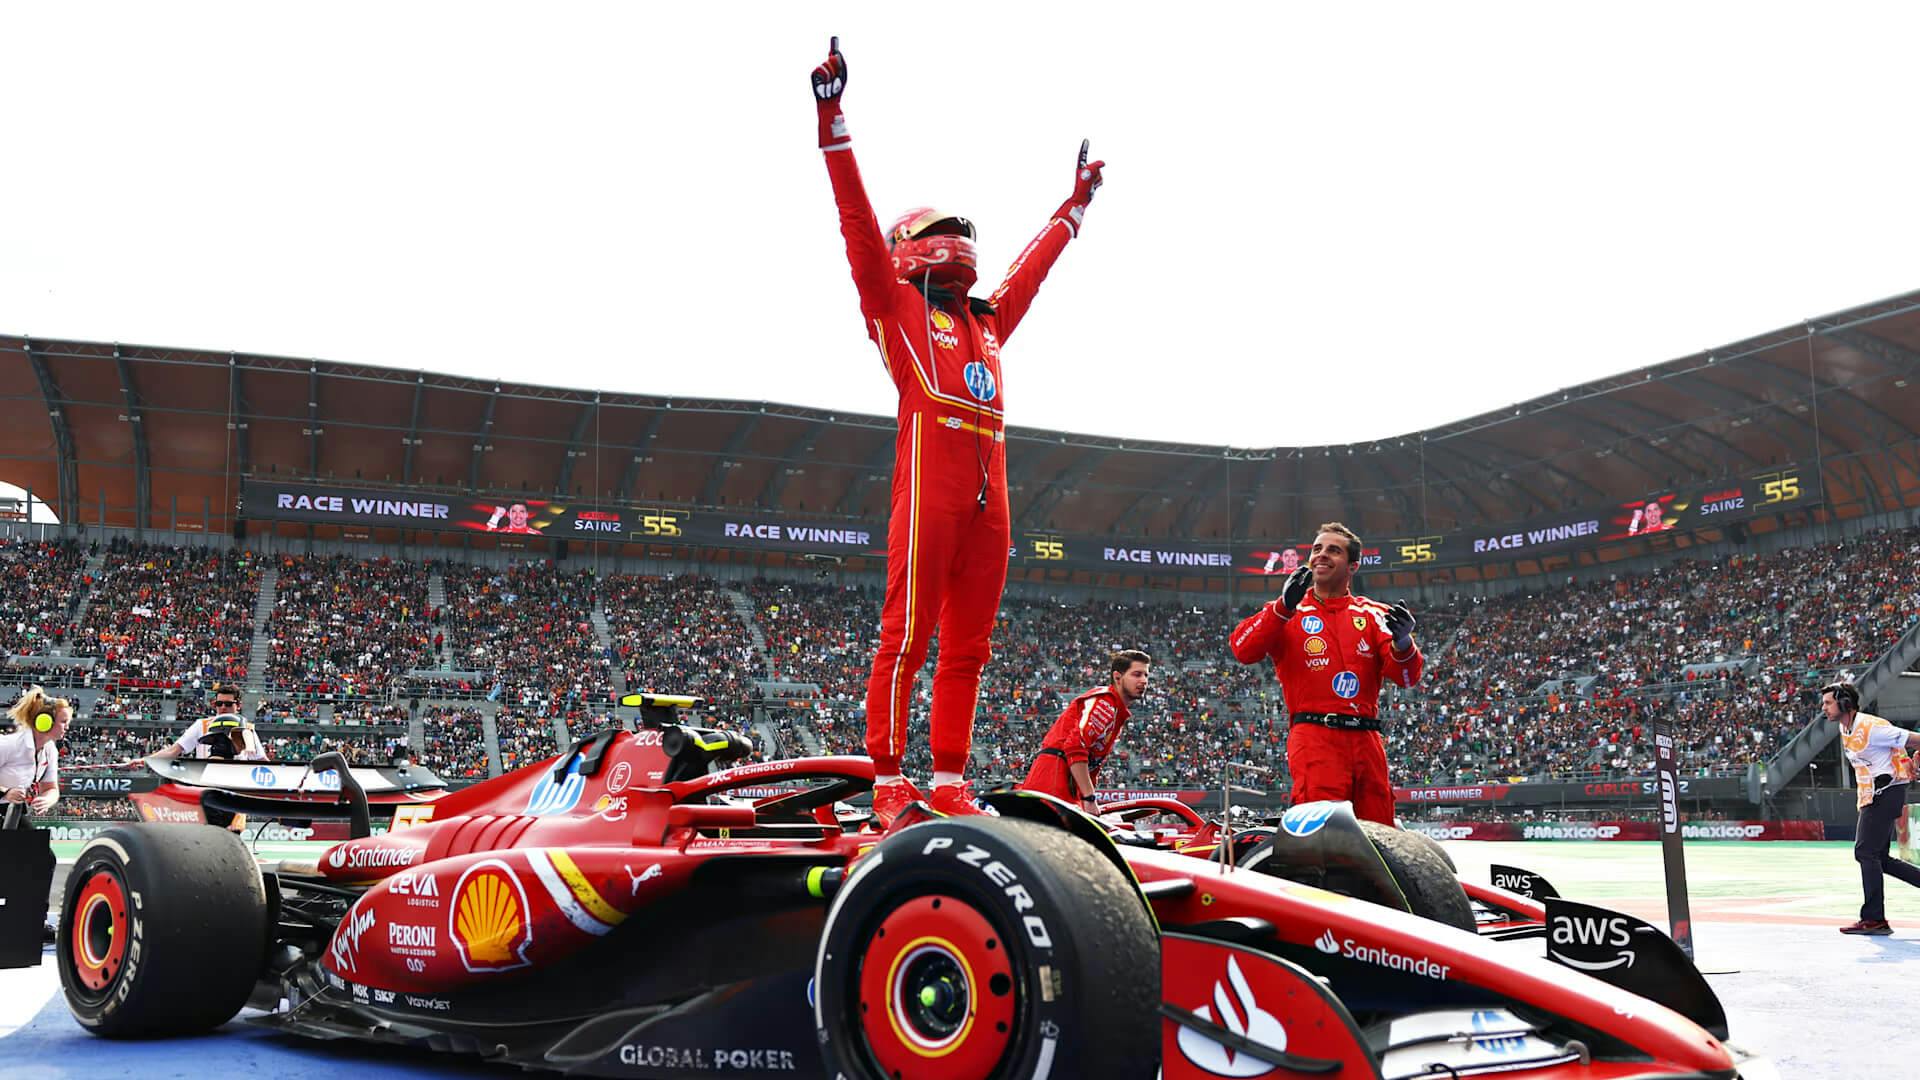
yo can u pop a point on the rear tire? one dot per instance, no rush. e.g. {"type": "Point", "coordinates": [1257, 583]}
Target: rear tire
{"type": "Point", "coordinates": [976, 947]}
{"type": "Point", "coordinates": [1432, 888]}
{"type": "Point", "coordinates": [164, 930]}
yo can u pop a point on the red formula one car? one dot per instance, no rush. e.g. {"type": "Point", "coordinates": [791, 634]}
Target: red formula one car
{"type": "Point", "coordinates": [633, 907]}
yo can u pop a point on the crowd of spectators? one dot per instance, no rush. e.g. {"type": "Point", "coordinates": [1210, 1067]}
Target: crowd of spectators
{"type": "Point", "coordinates": [524, 739]}
{"type": "Point", "coordinates": [454, 742]}
{"type": "Point", "coordinates": [348, 626]}
{"type": "Point", "coordinates": [1560, 682]}
{"type": "Point", "coordinates": [167, 617]}
{"type": "Point", "coordinates": [41, 585]}
{"type": "Point", "coordinates": [530, 627]}
{"type": "Point", "coordinates": [681, 635]}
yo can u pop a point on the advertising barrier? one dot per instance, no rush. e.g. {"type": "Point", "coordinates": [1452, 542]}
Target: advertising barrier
{"type": "Point", "coordinates": [1617, 830]}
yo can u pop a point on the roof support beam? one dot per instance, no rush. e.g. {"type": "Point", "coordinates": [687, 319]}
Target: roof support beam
{"type": "Point", "coordinates": [799, 450]}
{"type": "Point", "coordinates": [142, 463]}
{"type": "Point", "coordinates": [239, 416]}
{"type": "Point", "coordinates": [413, 428]}
{"type": "Point", "coordinates": [482, 440]}
{"type": "Point", "coordinates": [588, 414]}
{"type": "Point", "coordinates": [68, 497]}
{"type": "Point", "coordinates": [1743, 408]}
{"type": "Point", "coordinates": [716, 476]}
{"type": "Point", "coordinates": [1669, 428]}
{"type": "Point", "coordinates": [642, 447]}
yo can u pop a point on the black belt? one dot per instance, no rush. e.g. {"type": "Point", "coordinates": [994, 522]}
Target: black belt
{"type": "Point", "coordinates": [1093, 763]}
{"type": "Point", "coordinates": [1338, 720]}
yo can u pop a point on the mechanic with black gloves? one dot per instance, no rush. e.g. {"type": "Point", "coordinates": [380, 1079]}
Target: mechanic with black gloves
{"type": "Point", "coordinates": [1331, 651]}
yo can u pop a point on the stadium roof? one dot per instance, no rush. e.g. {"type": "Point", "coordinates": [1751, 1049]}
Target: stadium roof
{"type": "Point", "coordinates": [140, 435]}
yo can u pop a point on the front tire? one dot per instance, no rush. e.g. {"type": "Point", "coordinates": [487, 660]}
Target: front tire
{"type": "Point", "coordinates": [977, 947]}
{"type": "Point", "coordinates": [164, 930]}
{"type": "Point", "coordinates": [1421, 870]}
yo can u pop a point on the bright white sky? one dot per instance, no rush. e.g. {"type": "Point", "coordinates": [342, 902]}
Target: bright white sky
{"type": "Point", "coordinates": [1424, 210]}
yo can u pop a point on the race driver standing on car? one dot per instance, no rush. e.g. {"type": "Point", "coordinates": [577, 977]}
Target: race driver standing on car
{"type": "Point", "coordinates": [1331, 650]}
{"type": "Point", "coordinates": [948, 536]}
{"type": "Point", "coordinates": [1068, 763]}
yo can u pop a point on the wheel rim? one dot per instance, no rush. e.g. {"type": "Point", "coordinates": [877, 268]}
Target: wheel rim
{"type": "Point", "coordinates": [937, 992]}
{"type": "Point", "coordinates": [98, 931]}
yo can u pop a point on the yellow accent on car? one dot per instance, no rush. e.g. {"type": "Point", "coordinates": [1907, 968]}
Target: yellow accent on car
{"type": "Point", "coordinates": [674, 701]}
{"type": "Point", "coordinates": [583, 889]}
{"type": "Point", "coordinates": [720, 743]}
{"type": "Point", "coordinates": [814, 877]}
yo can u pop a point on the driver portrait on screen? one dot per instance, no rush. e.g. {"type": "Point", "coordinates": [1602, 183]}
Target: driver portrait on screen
{"type": "Point", "coordinates": [1283, 562]}
{"type": "Point", "coordinates": [516, 520]}
{"type": "Point", "coordinates": [1650, 518]}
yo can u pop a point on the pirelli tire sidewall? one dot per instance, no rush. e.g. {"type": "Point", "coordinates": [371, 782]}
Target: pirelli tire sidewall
{"type": "Point", "coordinates": [182, 912]}
{"type": "Point", "coordinates": [1085, 954]}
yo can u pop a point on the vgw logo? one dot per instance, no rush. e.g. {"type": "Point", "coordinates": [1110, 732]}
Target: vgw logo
{"type": "Point", "coordinates": [557, 798]}
{"type": "Point", "coordinates": [1258, 1025]}
{"type": "Point", "coordinates": [1591, 934]}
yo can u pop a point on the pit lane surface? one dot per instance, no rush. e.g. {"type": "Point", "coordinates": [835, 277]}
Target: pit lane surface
{"type": "Point", "coordinates": [1815, 1002]}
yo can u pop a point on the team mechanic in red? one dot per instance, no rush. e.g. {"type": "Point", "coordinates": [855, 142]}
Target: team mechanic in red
{"type": "Point", "coordinates": [1331, 650]}
{"type": "Point", "coordinates": [1068, 764]}
{"type": "Point", "coordinates": [948, 536]}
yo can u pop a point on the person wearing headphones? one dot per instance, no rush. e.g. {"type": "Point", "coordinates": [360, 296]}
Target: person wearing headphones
{"type": "Point", "coordinates": [1883, 766]}
{"type": "Point", "coordinates": [948, 533]}
{"type": "Point", "coordinates": [29, 756]}
{"type": "Point", "coordinates": [225, 735]}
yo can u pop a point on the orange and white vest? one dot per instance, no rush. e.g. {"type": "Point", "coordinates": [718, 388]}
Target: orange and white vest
{"type": "Point", "coordinates": [1870, 760]}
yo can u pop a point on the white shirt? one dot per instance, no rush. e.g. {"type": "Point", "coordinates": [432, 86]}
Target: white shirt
{"type": "Point", "coordinates": [21, 766]}
{"type": "Point", "coordinates": [1880, 740]}
{"type": "Point", "coordinates": [196, 732]}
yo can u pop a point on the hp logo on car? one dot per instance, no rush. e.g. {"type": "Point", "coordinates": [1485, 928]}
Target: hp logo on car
{"type": "Point", "coordinates": [262, 776]}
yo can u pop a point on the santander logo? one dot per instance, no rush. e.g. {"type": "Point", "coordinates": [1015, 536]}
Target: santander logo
{"type": "Point", "coordinates": [1327, 943]}
{"type": "Point", "coordinates": [1259, 1025]}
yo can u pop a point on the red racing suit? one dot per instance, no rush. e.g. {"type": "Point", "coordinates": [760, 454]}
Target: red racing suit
{"type": "Point", "coordinates": [948, 533]}
{"type": "Point", "coordinates": [1085, 733]}
{"type": "Point", "coordinates": [1331, 658]}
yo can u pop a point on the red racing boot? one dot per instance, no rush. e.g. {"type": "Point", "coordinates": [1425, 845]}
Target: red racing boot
{"type": "Point", "coordinates": [956, 800]}
{"type": "Point", "coordinates": [889, 799]}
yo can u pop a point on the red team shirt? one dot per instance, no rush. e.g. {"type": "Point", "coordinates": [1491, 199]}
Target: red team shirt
{"type": "Point", "coordinates": [1331, 657]}
{"type": "Point", "coordinates": [1085, 733]}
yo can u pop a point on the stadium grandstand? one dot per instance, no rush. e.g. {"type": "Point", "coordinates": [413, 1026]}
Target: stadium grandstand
{"type": "Point", "coordinates": [468, 573]}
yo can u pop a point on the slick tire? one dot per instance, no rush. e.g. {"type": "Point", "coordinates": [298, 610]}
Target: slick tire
{"type": "Point", "coordinates": [976, 947]}
{"type": "Point", "coordinates": [164, 930]}
{"type": "Point", "coordinates": [1432, 888]}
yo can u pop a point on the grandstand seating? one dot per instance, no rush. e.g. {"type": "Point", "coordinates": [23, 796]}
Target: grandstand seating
{"type": "Point", "coordinates": [1560, 682]}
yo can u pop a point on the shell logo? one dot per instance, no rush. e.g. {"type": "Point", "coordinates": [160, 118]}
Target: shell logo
{"type": "Point", "coordinates": [489, 918]}
{"type": "Point", "coordinates": [1315, 646]}
{"type": "Point", "coordinates": [942, 320]}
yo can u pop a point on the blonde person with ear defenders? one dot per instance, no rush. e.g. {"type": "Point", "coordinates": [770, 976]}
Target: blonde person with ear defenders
{"type": "Point", "coordinates": [29, 756]}
{"type": "Point", "coordinates": [948, 530]}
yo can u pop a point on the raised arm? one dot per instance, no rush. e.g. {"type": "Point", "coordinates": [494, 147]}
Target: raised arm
{"type": "Point", "coordinates": [866, 248]}
{"type": "Point", "coordinates": [1022, 283]}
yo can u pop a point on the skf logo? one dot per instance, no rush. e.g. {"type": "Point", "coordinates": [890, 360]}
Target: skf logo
{"type": "Point", "coordinates": [489, 919]}
{"type": "Point", "coordinates": [1258, 1025]}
